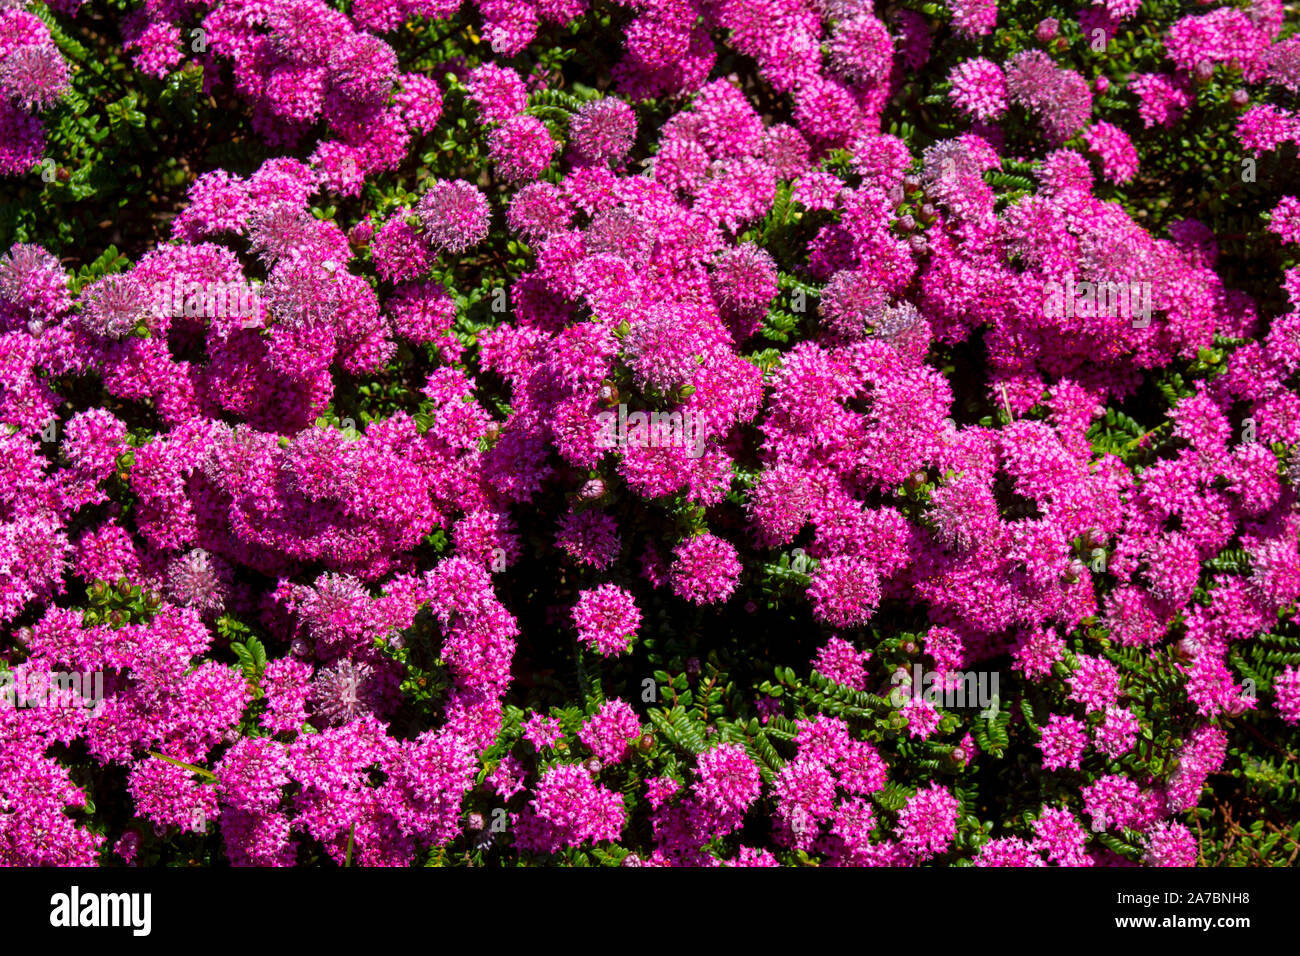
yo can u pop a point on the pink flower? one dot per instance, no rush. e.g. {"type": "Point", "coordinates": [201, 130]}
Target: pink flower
{"type": "Point", "coordinates": [521, 147]}
{"type": "Point", "coordinates": [603, 130]}
{"type": "Point", "coordinates": [1163, 99]}
{"type": "Point", "coordinates": [590, 537]}
{"type": "Point", "coordinates": [841, 662]}
{"type": "Point", "coordinates": [973, 18]}
{"type": "Point", "coordinates": [922, 717]}
{"type": "Point", "coordinates": [454, 215]}
{"type": "Point", "coordinates": [1062, 742]}
{"type": "Point", "coordinates": [727, 782]}
{"type": "Point", "coordinates": [1287, 690]}
{"type": "Point", "coordinates": [1169, 843]}
{"type": "Point", "coordinates": [542, 731]}
{"type": "Point", "coordinates": [608, 732]}
{"type": "Point", "coordinates": [606, 618]}
{"type": "Point", "coordinates": [568, 809]}
{"type": "Point", "coordinates": [706, 569]}
{"type": "Point", "coordinates": [1060, 835]}
{"type": "Point", "coordinates": [1036, 654]}
{"type": "Point", "coordinates": [1262, 129]}
{"type": "Point", "coordinates": [845, 591]}
{"type": "Point", "coordinates": [659, 790]}
{"type": "Point", "coordinates": [1117, 733]}
{"type": "Point", "coordinates": [1095, 683]}
{"type": "Point", "coordinates": [1285, 219]}
{"type": "Point", "coordinates": [1119, 159]}
{"type": "Point", "coordinates": [927, 823]}
{"type": "Point", "coordinates": [978, 88]}
{"type": "Point", "coordinates": [1008, 851]}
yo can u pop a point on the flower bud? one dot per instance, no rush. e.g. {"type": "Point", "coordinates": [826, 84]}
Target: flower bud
{"type": "Point", "coordinates": [592, 765]}
{"type": "Point", "coordinates": [1046, 30]}
{"type": "Point", "coordinates": [646, 743]}
{"type": "Point", "coordinates": [1239, 98]}
{"type": "Point", "coordinates": [927, 213]}
{"type": "Point", "coordinates": [475, 821]}
{"type": "Point", "coordinates": [359, 236]}
{"type": "Point", "coordinates": [1237, 706]}
{"type": "Point", "coordinates": [592, 490]}
{"type": "Point", "coordinates": [1101, 84]}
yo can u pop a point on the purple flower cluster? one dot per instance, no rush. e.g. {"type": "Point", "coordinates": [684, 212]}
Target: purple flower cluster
{"type": "Point", "coordinates": [606, 617]}
{"type": "Point", "coordinates": [642, 303]}
{"type": "Point", "coordinates": [33, 75]}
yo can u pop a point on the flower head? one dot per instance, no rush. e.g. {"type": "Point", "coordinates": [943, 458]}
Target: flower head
{"type": "Point", "coordinates": [34, 75]}
{"type": "Point", "coordinates": [198, 579]}
{"type": "Point", "coordinates": [454, 215]}
{"type": "Point", "coordinates": [606, 618]}
{"type": "Point", "coordinates": [602, 130]}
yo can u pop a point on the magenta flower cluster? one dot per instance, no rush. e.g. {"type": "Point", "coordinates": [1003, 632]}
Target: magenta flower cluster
{"type": "Point", "coordinates": [648, 285]}
{"type": "Point", "coordinates": [33, 76]}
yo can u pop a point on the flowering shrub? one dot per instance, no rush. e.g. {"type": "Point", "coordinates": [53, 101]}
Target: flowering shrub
{"type": "Point", "coordinates": [676, 433]}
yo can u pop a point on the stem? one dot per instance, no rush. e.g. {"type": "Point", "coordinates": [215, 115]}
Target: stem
{"type": "Point", "coordinates": [188, 766]}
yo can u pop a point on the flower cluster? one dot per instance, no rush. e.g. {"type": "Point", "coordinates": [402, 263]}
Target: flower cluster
{"type": "Point", "coordinates": [581, 472]}
{"type": "Point", "coordinates": [33, 76]}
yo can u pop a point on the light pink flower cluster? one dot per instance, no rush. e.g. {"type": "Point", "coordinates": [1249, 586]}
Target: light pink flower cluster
{"type": "Point", "coordinates": [33, 75]}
